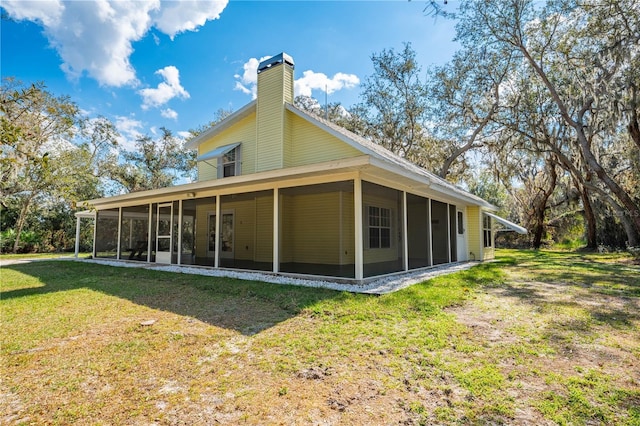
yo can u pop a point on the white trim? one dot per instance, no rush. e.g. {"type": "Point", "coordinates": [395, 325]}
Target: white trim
{"type": "Point", "coordinates": [119, 232]}
{"type": "Point", "coordinates": [179, 232]}
{"type": "Point", "coordinates": [449, 233]}
{"type": "Point", "coordinates": [158, 236]}
{"type": "Point", "coordinates": [276, 230]}
{"type": "Point", "coordinates": [430, 233]}
{"type": "Point", "coordinates": [150, 233]}
{"type": "Point", "coordinates": [405, 245]}
{"type": "Point", "coordinates": [357, 208]}
{"type": "Point", "coordinates": [216, 256]}
{"type": "Point", "coordinates": [77, 245]}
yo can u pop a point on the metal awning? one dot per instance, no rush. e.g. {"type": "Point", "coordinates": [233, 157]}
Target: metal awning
{"type": "Point", "coordinates": [512, 226]}
{"type": "Point", "coordinates": [218, 152]}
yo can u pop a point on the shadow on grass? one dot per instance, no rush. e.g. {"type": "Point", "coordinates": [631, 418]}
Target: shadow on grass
{"type": "Point", "coordinates": [245, 306]}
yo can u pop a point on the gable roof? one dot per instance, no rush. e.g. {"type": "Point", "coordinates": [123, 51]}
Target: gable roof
{"type": "Point", "coordinates": [397, 163]}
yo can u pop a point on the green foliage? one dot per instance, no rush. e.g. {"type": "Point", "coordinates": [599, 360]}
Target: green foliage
{"type": "Point", "coordinates": [154, 164]}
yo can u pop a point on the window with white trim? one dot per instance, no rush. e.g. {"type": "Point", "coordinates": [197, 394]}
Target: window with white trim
{"type": "Point", "coordinates": [379, 227]}
{"type": "Point", "coordinates": [486, 230]}
{"type": "Point", "coordinates": [229, 163]}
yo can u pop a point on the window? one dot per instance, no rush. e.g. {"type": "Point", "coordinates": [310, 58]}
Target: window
{"type": "Point", "coordinates": [379, 227]}
{"type": "Point", "coordinates": [460, 223]}
{"type": "Point", "coordinates": [486, 228]}
{"type": "Point", "coordinates": [229, 163]}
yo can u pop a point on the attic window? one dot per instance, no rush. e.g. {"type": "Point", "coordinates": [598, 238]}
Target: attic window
{"type": "Point", "coordinates": [228, 164]}
{"type": "Point", "coordinates": [227, 157]}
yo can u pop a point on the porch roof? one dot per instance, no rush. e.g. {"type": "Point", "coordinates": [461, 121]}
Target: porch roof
{"type": "Point", "coordinates": [367, 166]}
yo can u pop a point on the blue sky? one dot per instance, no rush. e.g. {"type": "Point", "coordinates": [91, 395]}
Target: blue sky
{"type": "Point", "coordinates": [147, 64]}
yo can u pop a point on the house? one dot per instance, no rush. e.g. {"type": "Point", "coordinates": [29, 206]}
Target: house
{"type": "Point", "coordinates": [283, 191]}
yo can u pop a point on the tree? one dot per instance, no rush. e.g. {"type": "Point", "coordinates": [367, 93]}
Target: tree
{"type": "Point", "coordinates": [464, 96]}
{"type": "Point", "coordinates": [155, 164]}
{"type": "Point", "coordinates": [394, 102]}
{"type": "Point", "coordinates": [219, 115]}
{"type": "Point", "coordinates": [585, 57]}
{"type": "Point", "coordinates": [36, 130]}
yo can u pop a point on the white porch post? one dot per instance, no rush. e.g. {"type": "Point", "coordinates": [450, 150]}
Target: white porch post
{"type": "Point", "coordinates": [449, 233]}
{"type": "Point", "coordinates": [149, 233]}
{"type": "Point", "coordinates": [119, 231]}
{"type": "Point", "coordinates": [405, 239]}
{"type": "Point", "coordinates": [216, 253]}
{"type": "Point", "coordinates": [430, 236]}
{"type": "Point", "coordinates": [95, 234]}
{"type": "Point", "coordinates": [77, 249]}
{"type": "Point", "coordinates": [357, 208]}
{"type": "Point", "coordinates": [180, 232]}
{"type": "Point", "coordinates": [276, 230]}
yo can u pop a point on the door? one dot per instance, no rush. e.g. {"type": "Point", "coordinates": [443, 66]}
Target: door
{"type": "Point", "coordinates": [164, 225]}
{"type": "Point", "coordinates": [226, 235]}
{"type": "Point", "coordinates": [461, 234]}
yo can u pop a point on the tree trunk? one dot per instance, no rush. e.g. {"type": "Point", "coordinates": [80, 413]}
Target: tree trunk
{"type": "Point", "coordinates": [540, 204]}
{"type": "Point", "coordinates": [20, 223]}
{"type": "Point", "coordinates": [589, 218]}
{"type": "Point", "coordinates": [633, 237]}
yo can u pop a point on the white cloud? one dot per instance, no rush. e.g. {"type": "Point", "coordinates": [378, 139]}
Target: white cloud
{"type": "Point", "coordinates": [177, 17]}
{"type": "Point", "coordinates": [310, 80]}
{"type": "Point", "coordinates": [247, 83]}
{"type": "Point", "coordinates": [170, 88]}
{"type": "Point", "coordinates": [96, 36]}
{"type": "Point", "coordinates": [169, 113]}
{"type": "Point", "coordinates": [129, 130]}
{"type": "Point", "coordinates": [318, 81]}
{"type": "Point", "coordinates": [45, 12]}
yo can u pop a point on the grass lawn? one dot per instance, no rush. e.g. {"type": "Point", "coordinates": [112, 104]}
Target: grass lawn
{"type": "Point", "coordinates": [534, 338]}
{"type": "Point", "coordinates": [38, 256]}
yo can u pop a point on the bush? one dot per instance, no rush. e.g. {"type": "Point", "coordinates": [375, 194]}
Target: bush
{"type": "Point", "coordinates": [30, 241]}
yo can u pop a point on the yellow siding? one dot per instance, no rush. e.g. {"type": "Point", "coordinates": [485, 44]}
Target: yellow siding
{"type": "Point", "coordinates": [244, 226]}
{"type": "Point", "coordinates": [264, 229]}
{"type": "Point", "coordinates": [489, 253]}
{"type": "Point", "coordinates": [311, 144]}
{"type": "Point", "coordinates": [244, 131]}
{"type": "Point", "coordinates": [312, 230]}
{"type": "Point", "coordinates": [474, 232]}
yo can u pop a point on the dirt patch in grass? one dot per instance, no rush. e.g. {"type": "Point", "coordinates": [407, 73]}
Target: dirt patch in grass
{"type": "Point", "coordinates": [572, 352]}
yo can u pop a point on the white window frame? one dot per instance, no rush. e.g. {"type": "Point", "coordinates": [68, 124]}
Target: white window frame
{"type": "Point", "coordinates": [487, 231]}
{"type": "Point", "coordinates": [223, 161]}
{"type": "Point", "coordinates": [379, 227]}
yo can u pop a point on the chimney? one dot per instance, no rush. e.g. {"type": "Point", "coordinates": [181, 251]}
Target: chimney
{"type": "Point", "coordinates": [275, 88]}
